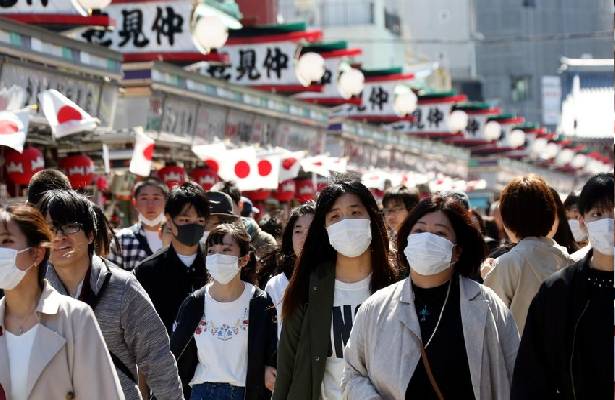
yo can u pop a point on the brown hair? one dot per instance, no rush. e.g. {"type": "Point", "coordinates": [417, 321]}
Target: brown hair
{"type": "Point", "coordinates": [34, 227]}
{"type": "Point", "coordinates": [527, 207]}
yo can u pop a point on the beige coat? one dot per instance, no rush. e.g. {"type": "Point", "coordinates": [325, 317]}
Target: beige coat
{"type": "Point", "coordinates": [383, 350]}
{"type": "Point", "coordinates": [69, 357]}
{"type": "Point", "coordinates": [517, 275]}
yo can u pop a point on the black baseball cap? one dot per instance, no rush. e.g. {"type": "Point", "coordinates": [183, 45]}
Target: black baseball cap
{"type": "Point", "coordinates": [220, 204]}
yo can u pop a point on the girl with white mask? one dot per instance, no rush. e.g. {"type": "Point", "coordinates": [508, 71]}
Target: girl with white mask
{"type": "Point", "coordinates": [437, 334]}
{"type": "Point", "coordinates": [344, 260]}
{"type": "Point", "coordinates": [50, 345]}
{"type": "Point", "coordinates": [225, 338]}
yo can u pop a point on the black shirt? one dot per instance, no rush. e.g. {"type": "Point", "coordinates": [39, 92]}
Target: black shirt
{"type": "Point", "coordinates": [446, 351]}
{"type": "Point", "coordinates": [168, 281]}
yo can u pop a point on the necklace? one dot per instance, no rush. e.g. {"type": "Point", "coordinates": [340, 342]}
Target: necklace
{"type": "Point", "coordinates": [448, 290]}
{"type": "Point", "coordinates": [23, 320]}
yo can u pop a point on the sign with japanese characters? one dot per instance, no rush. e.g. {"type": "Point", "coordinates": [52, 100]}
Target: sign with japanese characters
{"type": "Point", "coordinates": [40, 7]}
{"type": "Point", "coordinates": [426, 118]}
{"type": "Point", "coordinates": [329, 86]}
{"type": "Point", "coordinates": [377, 100]}
{"type": "Point", "coordinates": [144, 27]}
{"type": "Point", "coordinates": [476, 126]}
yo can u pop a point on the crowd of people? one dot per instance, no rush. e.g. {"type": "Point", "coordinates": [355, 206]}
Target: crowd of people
{"type": "Point", "coordinates": [419, 297]}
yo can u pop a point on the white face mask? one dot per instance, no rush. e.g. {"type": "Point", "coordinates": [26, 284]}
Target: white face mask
{"type": "Point", "coordinates": [578, 233]}
{"type": "Point", "coordinates": [10, 275]}
{"type": "Point", "coordinates": [428, 254]}
{"type": "Point", "coordinates": [222, 267]}
{"type": "Point", "coordinates": [152, 222]}
{"type": "Point", "coordinates": [350, 237]}
{"type": "Point", "coordinates": [600, 234]}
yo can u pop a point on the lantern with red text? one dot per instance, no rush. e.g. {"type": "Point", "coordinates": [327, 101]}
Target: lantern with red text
{"type": "Point", "coordinates": [21, 166]}
{"type": "Point", "coordinates": [79, 169]}
{"type": "Point", "coordinates": [304, 190]}
{"type": "Point", "coordinates": [172, 175]}
{"type": "Point", "coordinates": [204, 176]}
{"type": "Point", "coordinates": [257, 195]}
{"type": "Point", "coordinates": [285, 191]}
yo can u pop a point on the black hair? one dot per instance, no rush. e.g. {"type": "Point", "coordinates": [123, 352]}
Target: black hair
{"type": "Point", "coordinates": [597, 192]}
{"type": "Point", "coordinates": [43, 181]}
{"type": "Point", "coordinates": [469, 239]}
{"type": "Point", "coordinates": [188, 193]}
{"type": "Point", "coordinates": [563, 236]}
{"type": "Point", "coordinates": [571, 201]}
{"type": "Point", "coordinates": [151, 181]}
{"type": "Point", "coordinates": [105, 233]}
{"type": "Point", "coordinates": [239, 234]}
{"type": "Point", "coordinates": [229, 188]}
{"type": "Point", "coordinates": [460, 197]}
{"type": "Point", "coordinates": [272, 226]}
{"type": "Point", "coordinates": [409, 197]}
{"type": "Point", "coordinates": [68, 206]}
{"type": "Point", "coordinates": [317, 250]}
{"type": "Point", "coordinates": [481, 222]}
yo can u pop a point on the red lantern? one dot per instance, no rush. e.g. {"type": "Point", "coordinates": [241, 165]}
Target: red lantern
{"type": "Point", "coordinates": [79, 169]}
{"type": "Point", "coordinates": [102, 183]}
{"type": "Point", "coordinates": [285, 191]}
{"type": "Point", "coordinates": [21, 166]}
{"type": "Point", "coordinates": [204, 176]}
{"type": "Point", "coordinates": [304, 190]}
{"type": "Point", "coordinates": [258, 195]}
{"type": "Point", "coordinates": [172, 175]}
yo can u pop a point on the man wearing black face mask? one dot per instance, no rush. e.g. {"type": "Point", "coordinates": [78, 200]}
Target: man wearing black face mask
{"type": "Point", "coordinates": [171, 275]}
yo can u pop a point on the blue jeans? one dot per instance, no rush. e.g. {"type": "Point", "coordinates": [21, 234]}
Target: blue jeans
{"type": "Point", "coordinates": [217, 391]}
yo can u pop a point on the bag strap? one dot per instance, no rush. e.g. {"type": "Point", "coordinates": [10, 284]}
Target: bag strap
{"type": "Point", "coordinates": [432, 379]}
{"type": "Point", "coordinates": [142, 241]}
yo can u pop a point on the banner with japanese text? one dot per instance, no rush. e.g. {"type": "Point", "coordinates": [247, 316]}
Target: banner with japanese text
{"type": "Point", "coordinates": [426, 118]}
{"type": "Point", "coordinates": [328, 82]}
{"type": "Point", "coordinates": [41, 7]}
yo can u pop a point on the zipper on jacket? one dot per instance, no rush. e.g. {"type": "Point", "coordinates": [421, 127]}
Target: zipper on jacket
{"type": "Point", "coordinates": [574, 338]}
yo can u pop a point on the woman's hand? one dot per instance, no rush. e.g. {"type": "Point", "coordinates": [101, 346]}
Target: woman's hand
{"type": "Point", "coordinates": [270, 375]}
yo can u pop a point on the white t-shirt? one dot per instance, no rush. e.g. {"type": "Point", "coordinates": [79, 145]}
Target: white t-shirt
{"type": "Point", "coordinates": [222, 340]}
{"type": "Point", "coordinates": [275, 288]}
{"type": "Point", "coordinates": [346, 301]}
{"type": "Point", "coordinates": [187, 260]}
{"type": "Point", "coordinates": [19, 349]}
{"type": "Point", "coordinates": [153, 240]}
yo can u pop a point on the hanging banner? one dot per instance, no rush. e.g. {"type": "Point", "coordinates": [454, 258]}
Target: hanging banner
{"type": "Point", "coordinates": [41, 7]}
{"type": "Point", "coordinates": [426, 118]}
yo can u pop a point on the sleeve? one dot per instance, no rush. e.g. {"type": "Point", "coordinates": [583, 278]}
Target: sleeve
{"type": "Point", "coordinates": [503, 278]}
{"type": "Point", "coordinates": [508, 334]}
{"type": "Point", "coordinates": [272, 334]}
{"type": "Point", "coordinates": [531, 379]}
{"type": "Point", "coordinates": [92, 359]}
{"type": "Point", "coordinates": [356, 384]}
{"type": "Point", "coordinates": [146, 336]}
{"type": "Point", "coordinates": [287, 351]}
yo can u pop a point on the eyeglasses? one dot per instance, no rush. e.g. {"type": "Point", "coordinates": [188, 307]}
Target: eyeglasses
{"type": "Point", "coordinates": [67, 229]}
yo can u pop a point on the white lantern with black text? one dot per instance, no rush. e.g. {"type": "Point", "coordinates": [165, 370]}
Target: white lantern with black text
{"type": "Point", "coordinates": [210, 32]}
{"type": "Point", "coordinates": [350, 82]}
{"type": "Point", "coordinates": [458, 121]}
{"type": "Point", "coordinates": [405, 100]}
{"type": "Point", "coordinates": [517, 138]}
{"type": "Point", "coordinates": [310, 68]}
{"type": "Point", "coordinates": [492, 130]}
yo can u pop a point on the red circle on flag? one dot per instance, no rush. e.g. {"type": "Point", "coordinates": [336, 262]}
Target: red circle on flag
{"type": "Point", "coordinates": [68, 113]}
{"type": "Point", "coordinates": [148, 152]}
{"type": "Point", "coordinates": [318, 163]}
{"type": "Point", "coordinates": [8, 127]}
{"type": "Point", "coordinates": [213, 165]}
{"type": "Point", "coordinates": [264, 167]}
{"type": "Point", "coordinates": [288, 163]}
{"type": "Point", "coordinates": [242, 169]}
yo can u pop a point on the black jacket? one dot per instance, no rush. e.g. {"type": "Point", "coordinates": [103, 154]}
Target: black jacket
{"type": "Point", "coordinates": [547, 365]}
{"type": "Point", "coordinates": [262, 341]}
{"type": "Point", "coordinates": [168, 281]}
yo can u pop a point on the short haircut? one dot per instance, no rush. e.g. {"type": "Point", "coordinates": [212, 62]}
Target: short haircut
{"type": "Point", "coordinates": [188, 193]}
{"type": "Point", "coordinates": [151, 181]}
{"type": "Point", "coordinates": [597, 192]}
{"type": "Point", "coordinates": [409, 197]}
{"type": "Point", "coordinates": [45, 180]}
{"type": "Point", "coordinates": [571, 201]}
{"type": "Point", "coordinates": [527, 207]}
{"type": "Point", "coordinates": [272, 226]}
{"type": "Point", "coordinates": [229, 188]}
{"type": "Point", "coordinates": [236, 230]}
{"type": "Point", "coordinates": [460, 197]}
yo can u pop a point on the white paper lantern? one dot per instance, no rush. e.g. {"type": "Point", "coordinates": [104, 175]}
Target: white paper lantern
{"type": "Point", "coordinates": [593, 166]}
{"type": "Point", "coordinates": [350, 82]}
{"type": "Point", "coordinates": [550, 151]}
{"type": "Point", "coordinates": [210, 32]}
{"type": "Point", "coordinates": [95, 4]}
{"type": "Point", "coordinates": [564, 157]}
{"type": "Point", "coordinates": [310, 68]}
{"type": "Point", "coordinates": [405, 100]}
{"type": "Point", "coordinates": [492, 130]}
{"type": "Point", "coordinates": [579, 161]}
{"type": "Point", "coordinates": [458, 121]}
{"type": "Point", "coordinates": [538, 146]}
{"type": "Point", "coordinates": [517, 138]}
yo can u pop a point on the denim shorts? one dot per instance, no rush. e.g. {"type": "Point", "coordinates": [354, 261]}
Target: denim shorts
{"type": "Point", "coordinates": [217, 391]}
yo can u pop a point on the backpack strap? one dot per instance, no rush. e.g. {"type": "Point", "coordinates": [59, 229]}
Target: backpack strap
{"type": "Point", "coordinates": [136, 230]}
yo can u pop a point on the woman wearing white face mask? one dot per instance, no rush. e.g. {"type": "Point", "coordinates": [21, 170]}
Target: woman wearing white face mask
{"type": "Point", "coordinates": [437, 334]}
{"type": "Point", "coordinates": [224, 337]}
{"type": "Point", "coordinates": [50, 345]}
{"type": "Point", "coordinates": [344, 259]}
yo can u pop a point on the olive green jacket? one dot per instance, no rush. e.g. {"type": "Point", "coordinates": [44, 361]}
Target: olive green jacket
{"type": "Point", "coordinates": [305, 341]}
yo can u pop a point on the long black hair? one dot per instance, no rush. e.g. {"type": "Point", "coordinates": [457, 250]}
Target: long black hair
{"type": "Point", "coordinates": [284, 259]}
{"type": "Point", "coordinates": [563, 236]}
{"type": "Point", "coordinates": [317, 250]}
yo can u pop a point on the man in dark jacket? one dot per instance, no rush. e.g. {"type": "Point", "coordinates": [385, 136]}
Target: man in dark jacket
{"type": "Point", "coordinates": [170, 275]}
{"type": "Point", "coordinates": [567, 346]}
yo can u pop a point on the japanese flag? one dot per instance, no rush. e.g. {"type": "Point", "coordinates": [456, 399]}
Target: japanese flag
{"type": "Point", "coordinates": [64, 116]}
{"type": "Point", "coordinates": [141, 163]}
{"type": "Point", "coordinates": [211, 154]}
{"type": "Point", "coordinates": [374, 179]}
{"type": "Point", "coordinates": [249, 171]}
{"type": "Point", "coordinates": [14, 128]}
{"type": "Point", "coordinates": [290, 163]}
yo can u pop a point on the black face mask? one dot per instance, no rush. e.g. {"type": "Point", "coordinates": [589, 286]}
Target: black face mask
{"type": "Point", "coordinates": [190, 234]}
